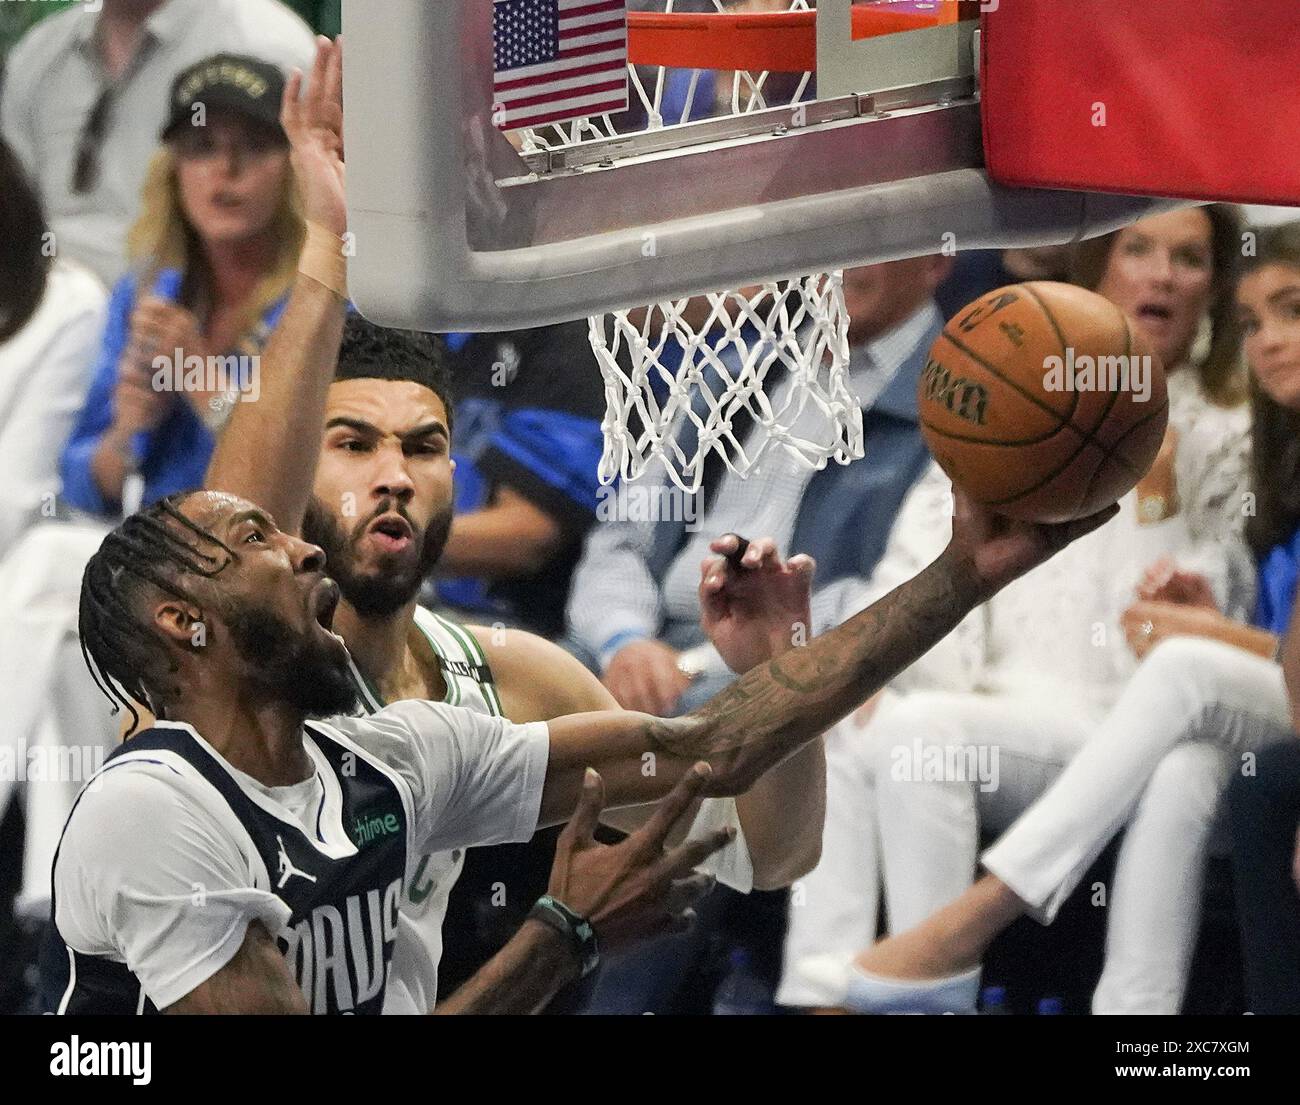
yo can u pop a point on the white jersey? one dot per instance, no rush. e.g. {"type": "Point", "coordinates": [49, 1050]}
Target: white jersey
{"type": "Point", "coordinates": [170, 852]}
{"type": "Point", "coordinates": [413, 985]}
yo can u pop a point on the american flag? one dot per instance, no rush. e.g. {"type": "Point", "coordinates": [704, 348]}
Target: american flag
{"type": "Point", "coordinates": [558, 60]}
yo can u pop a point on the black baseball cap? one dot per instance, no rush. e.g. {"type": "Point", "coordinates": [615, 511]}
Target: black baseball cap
{"type": "Point", "coordinates": [230, 82]}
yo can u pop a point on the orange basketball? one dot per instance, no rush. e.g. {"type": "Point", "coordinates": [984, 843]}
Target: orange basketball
{"type": "Point", "coordinates": [1041, 401]}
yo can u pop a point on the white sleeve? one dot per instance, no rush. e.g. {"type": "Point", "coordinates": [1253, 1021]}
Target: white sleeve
{"type": "Point", "coordinates": [148, 875]}
{"type": "Point", "coordinates": [475, 779]}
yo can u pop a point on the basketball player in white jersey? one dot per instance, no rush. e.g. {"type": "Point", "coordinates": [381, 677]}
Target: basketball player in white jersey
{"type": "Point", "coordinates": [375, 492]}
{"type": "Point", "coordinates": [204, 610]}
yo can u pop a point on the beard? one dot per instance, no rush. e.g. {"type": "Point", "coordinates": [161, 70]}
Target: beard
{"type": "Point", "coordinates": [372, 594]}
{"type": "Point", "coordinates": [296, 667]}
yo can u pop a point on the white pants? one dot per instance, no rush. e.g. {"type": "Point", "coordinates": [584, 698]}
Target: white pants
{"type": "Point", "coordinates": [58, 727]}
{"type": "Point", "coordinates": [906, 797]}
{"type": "Point", "coordinates": [1195, 712]}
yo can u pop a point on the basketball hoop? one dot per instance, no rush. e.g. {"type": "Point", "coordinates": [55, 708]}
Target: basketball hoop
{"type": "Point", "coordinates": [737, 373]}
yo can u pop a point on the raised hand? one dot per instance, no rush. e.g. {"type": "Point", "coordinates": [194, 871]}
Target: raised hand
{"type": "Point", "coordinates": [992, 550]}
{"type": "Point", "coordinates": [634, 890]}
{"type": "Point", "coordinates": [757, 608]}
{"type": "Point", "coordinates": [314, 124]}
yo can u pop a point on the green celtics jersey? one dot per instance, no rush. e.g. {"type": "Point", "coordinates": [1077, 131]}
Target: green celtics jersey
{"type": "Point", "coordinates": [413, 984]}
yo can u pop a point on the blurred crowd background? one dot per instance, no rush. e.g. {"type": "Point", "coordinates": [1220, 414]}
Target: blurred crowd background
{"type": "Point", "coordinates": [1190, 908]}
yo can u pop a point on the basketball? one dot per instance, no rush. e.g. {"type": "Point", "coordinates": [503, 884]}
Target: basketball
{"type": "Point", "coordinates": [1041, 401]}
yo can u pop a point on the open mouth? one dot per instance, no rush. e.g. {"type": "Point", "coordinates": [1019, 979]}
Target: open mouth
{"type": "Point", "coordinates": [391, 532]}
{"type": "Point", "coordinates": [324, 602]}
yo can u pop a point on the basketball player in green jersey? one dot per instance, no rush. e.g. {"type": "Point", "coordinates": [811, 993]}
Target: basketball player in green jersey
{"type": "Point", "coordinates": [375, 492]}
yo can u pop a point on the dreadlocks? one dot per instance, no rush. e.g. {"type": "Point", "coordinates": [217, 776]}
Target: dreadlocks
{"type": "Point", "coordinates": [157, 546]}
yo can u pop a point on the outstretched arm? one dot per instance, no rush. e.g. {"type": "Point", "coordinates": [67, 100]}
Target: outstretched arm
{"type": "Point", "coordinates": [269, 449]}
{"type": "Point", "coordinates": [754, 606]}
{"type": "Point", "coordinates": [765, 716]}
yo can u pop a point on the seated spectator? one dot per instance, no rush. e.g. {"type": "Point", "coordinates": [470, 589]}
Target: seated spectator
{"type": "Point", "coordinates": [1029, 677]}
{"type": "Point", "coordinates": [1208, 697]}
{"type": "Point", "coordinates": [85, 94]}
{"type": "Point", "coordinates": [51, 319]}
{"type": "Point", "coordinates": [214, 251]}
{"type": "Point", "coordinates": [634, 607]}
{"type": "Point", "coordinates": [528, 410]}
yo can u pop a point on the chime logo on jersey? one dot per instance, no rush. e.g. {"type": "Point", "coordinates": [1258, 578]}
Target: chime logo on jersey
{"type": "Point", "coordinates": [368, 827]}
{"type": "Point", "coordinates": [338, 958]}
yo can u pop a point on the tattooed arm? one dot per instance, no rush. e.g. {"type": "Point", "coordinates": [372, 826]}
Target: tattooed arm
{"type": "Point", "coordinates": [767, 715]}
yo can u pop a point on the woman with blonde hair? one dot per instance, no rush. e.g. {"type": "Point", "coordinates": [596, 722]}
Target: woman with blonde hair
{"type": "Point", "coordinates": [213, 255]}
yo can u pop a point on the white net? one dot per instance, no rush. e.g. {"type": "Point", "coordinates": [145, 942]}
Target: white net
{"type": "Point", "coordinates": [737, 373]}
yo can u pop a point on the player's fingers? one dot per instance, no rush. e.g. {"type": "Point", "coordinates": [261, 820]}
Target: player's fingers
{"type": "Point", "coordinates": [672, 806]}
{"type": "Point", "coordinates": [691, 853]}
{"type": "Point", "coordinates": [586, 815]}
{"type": "Point", "coordinates": [333, 91]}
{"type": "Point", "coordinates": [289, 102]}
{"type": "Point", "coordinates": [319, 73]}
{"type": "Point", "coordinates": [1081, 527]}
{"type": "Point", "coordinates": [802, 564]}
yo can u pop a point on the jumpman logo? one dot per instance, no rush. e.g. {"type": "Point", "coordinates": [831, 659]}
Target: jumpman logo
{"type": "Point", "coordinates": [287, 868]}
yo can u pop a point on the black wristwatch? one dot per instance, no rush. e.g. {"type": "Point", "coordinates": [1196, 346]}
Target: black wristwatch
{"type": "Point", "coordinates": [577, 929]}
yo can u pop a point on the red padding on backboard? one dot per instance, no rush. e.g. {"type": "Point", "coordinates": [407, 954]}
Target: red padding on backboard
{"type": "Point", "coordinates": [1201, 97]}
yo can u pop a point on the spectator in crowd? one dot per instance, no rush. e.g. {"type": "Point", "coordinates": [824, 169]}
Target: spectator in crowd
{"type": "Point", "coordinates": [1264, 805]}
{"type": "Point", "coordinates": [51, 318]}
{"type": "Point", "coordinates": [528, 410]}
{"type": "Point", "coordinates": [634, 609]}
{"type": "Point", "coordinates": [214, 252]}
{"type": "Point", "coordinates": [1031, 675]}
{"type": "Point", "coordinates": [1208, 696]}
{"type": "Point", "coordinates": [85, 94]}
